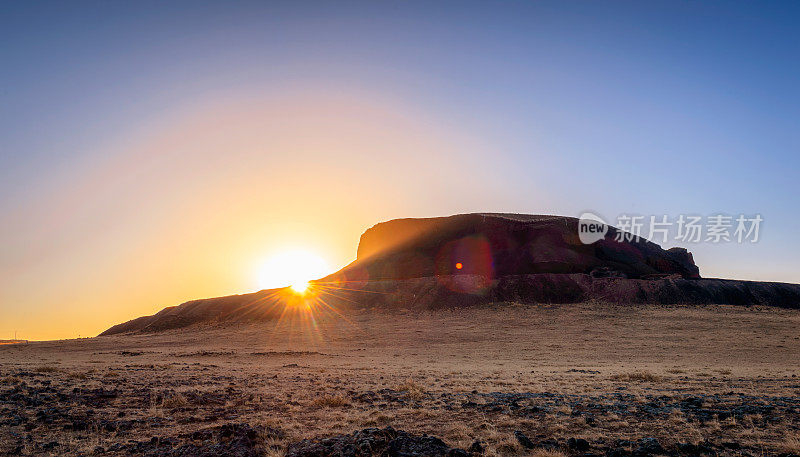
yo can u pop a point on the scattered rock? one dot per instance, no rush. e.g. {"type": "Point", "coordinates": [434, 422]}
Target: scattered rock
{"type": "Point", "coordinates": [578, 444]}
{"type": "Point", "coordinates": [230, 440]}
{"type": "Point", "coordinates": [477, 448]}
{"type": "Point", "coordinates": [373, 441]}
{"type": "Point", "coordinates": [523, 440]}
{"type": "Point", "coordinates": [649, 446]}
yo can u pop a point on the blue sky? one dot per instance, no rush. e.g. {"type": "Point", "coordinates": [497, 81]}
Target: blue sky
{"type": "Point", "coordinates": [534, 107]}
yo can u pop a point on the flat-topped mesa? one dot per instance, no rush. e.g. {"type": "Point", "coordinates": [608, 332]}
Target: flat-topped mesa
{"type": "Point", "coordinates": [496, 245]}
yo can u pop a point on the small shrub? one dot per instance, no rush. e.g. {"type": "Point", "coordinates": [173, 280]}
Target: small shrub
{"type": "Point", "coordinates": [45, 369]}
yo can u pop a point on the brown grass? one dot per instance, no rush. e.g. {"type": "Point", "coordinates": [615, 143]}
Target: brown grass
{"type": "Point", "coordinates": [637, 376]}
{"type": "Point", "coordinates": [331, 401]}
{"type": "Point", "coordinates": [275, 452]}
{"type": "Point", "coordinates": [547, 453]}
{"type": "Point", "coordinates": [791, 443]}
{"type": "Point", "coordinates": [413, 390]}
{"type": "Point", "coordinates": [78, 375]}
{"type": "Point", "coordinates": [174, 401]}
{"type": "Point", "coordinates": [413, 371]}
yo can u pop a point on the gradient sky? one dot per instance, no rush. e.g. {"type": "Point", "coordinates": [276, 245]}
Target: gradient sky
{"type": "Point", "coordinates": [156, 152]}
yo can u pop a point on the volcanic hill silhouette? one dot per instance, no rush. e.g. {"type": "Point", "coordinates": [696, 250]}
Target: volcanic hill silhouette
{"type": "Point", "coordinates": [473, 259]}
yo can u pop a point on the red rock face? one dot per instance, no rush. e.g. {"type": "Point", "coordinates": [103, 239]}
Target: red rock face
{"type": "Point", "coordinates": [495, 245]}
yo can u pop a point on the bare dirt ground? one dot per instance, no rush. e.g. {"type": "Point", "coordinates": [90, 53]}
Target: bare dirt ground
{"type": "Point", "coordinates": [587, 379]}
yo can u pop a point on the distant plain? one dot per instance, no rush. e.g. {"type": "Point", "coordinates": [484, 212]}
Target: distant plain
{"type": "Point", "coordinates": [721, 379]}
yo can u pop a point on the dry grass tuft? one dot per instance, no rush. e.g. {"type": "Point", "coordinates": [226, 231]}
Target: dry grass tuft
{"type": "Point", "coordinates": [676, 418]}
{"type": "Point", "coordinates": [275, 452]}
{"type": "Point", "coordinates": [331, 401]}
{"type": "Point", "coordinates": [78, 375]}
{"type": "Point", "coordinates": [547, 453]}
{"type": "Point", "coordinates": [637, 376]}
{"type": "Point", "coordinates": [274, 447]}
{"type": "Point", "coordinates": [791, 444]}
{"type": "Point", "coordinates": [175, 400]}
{"type": "Point", "coordinates": [45, 369]}
{"type": "Point", "coordinates": [376, 418]}
{"type": "Point", "coordinates": [412, 389]}
{"type": "Point", "coordinates": [507, 446]}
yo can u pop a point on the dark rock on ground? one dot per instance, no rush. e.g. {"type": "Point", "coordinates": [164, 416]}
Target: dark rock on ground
{"type": "Point", "coordinates": [477, 448]}
{"type": "Point", "coordinates": [649, 446]}
{"type": "Point", "coordinates": [230, 440]}
{"type": "Point", "coordinates": [523, 440]}
{"type": "Point", "coordinates": [373, 441]}
{"type": "Point", "coordinates": [578, 444]}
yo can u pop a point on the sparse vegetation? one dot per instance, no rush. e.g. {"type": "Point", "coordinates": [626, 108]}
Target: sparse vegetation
{"type": "Point", "coordinates": [461, 375]}
{"type": "Point", "coordinates": [275, 452]}
{"type": "Point", "coordinates": [637, 376]}
{"type": "Point", "coordinates": [78, 375]}
{"type": "Point", "coordinates": [791, 444]}
{"type": "Point", "coordinates": [547, 453]}
{"type": "Point", "coordinates": [174, 400]}
{"type": "Point", "coordinates": [413, 390]}
{"type": "Point", "coordinates": [331, 401]}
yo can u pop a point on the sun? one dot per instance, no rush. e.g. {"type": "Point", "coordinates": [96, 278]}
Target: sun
{"type": "Point", "coordinates": [293, 268]}
{"type": "Point", "coordinates": [299, 288]}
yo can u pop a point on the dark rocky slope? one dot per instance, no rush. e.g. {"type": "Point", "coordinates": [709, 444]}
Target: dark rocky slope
{"type": "Point", "coordinates": [476, 259]}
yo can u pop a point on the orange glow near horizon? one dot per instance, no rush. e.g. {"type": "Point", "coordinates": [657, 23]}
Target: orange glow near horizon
{"type": "Point", "coordinates": [199, 202]}
{"type": "Point", "coordinates": [293, 268]}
